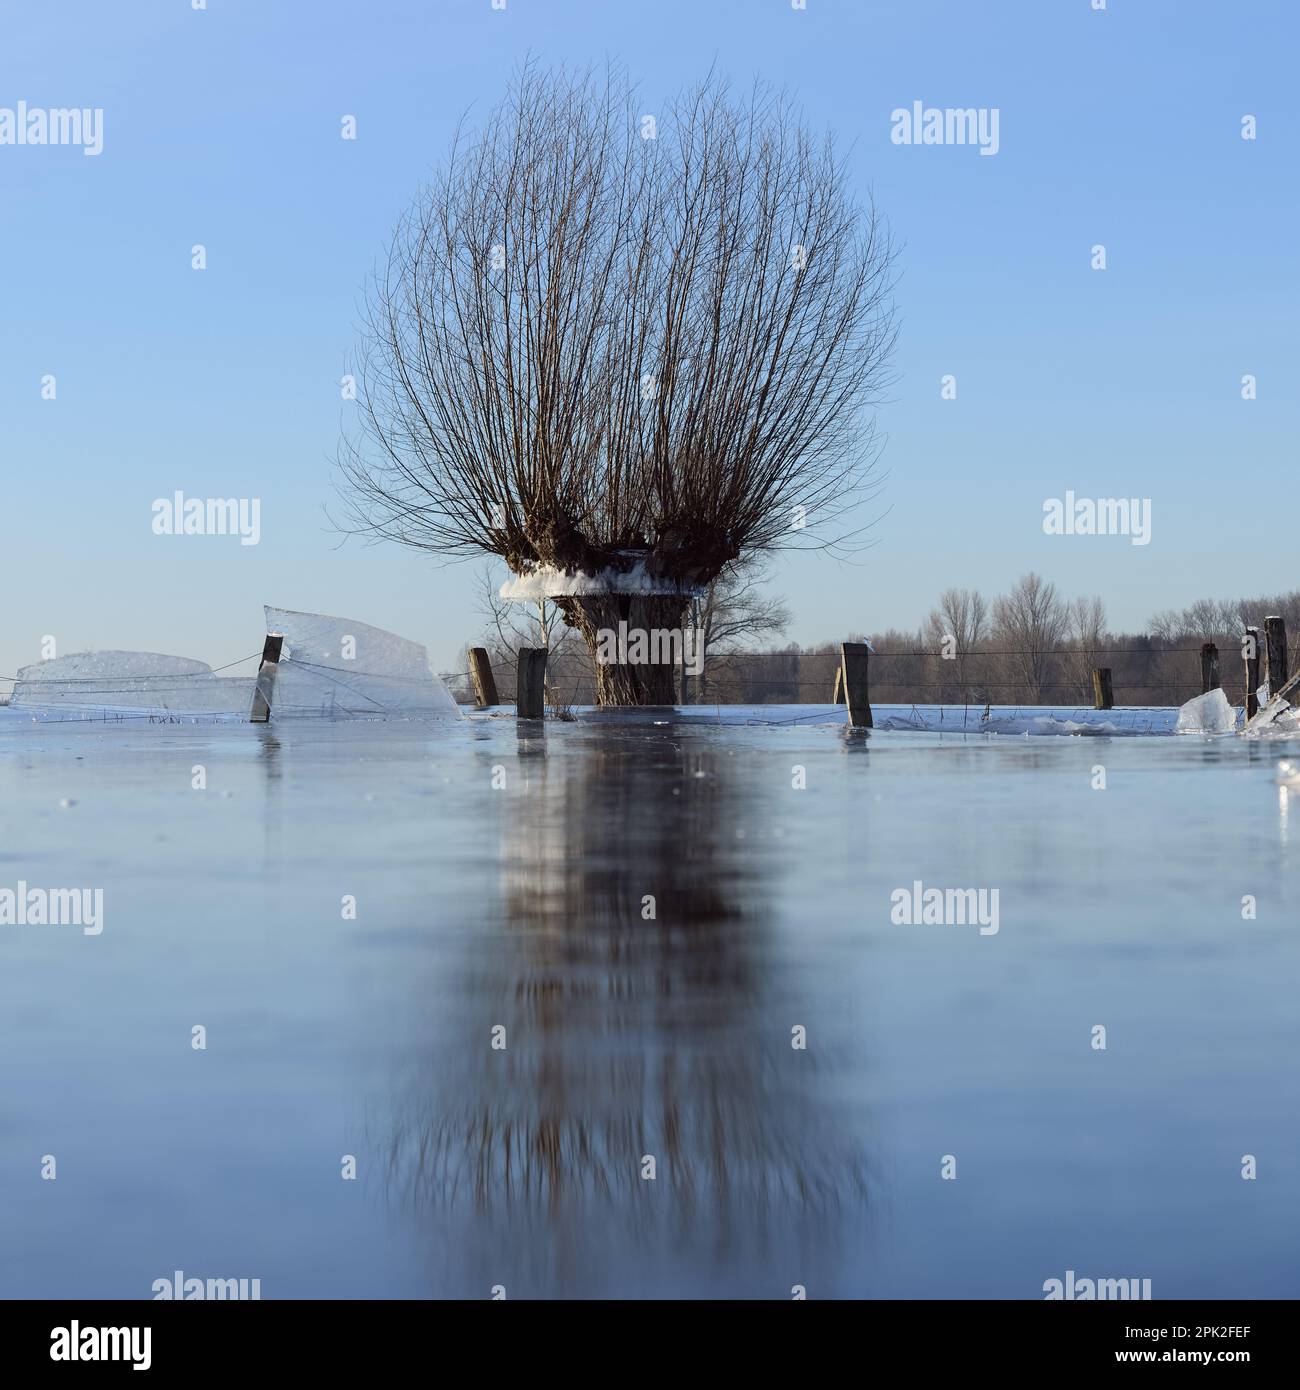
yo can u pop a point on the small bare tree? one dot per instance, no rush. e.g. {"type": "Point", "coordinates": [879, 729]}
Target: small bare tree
{"type": "Point", "coordinates": [510, 625]}
{"type": "Point", "coordinates": [621, 355]}
{"type": "Point", "coordinates": [959, 625]}
{"type": "Point", "coordinates": [733, 609]}
{"type": "Point", "coordinates": [1030, 623]}
{"type": "Point", "coordinates": [1087, 635]}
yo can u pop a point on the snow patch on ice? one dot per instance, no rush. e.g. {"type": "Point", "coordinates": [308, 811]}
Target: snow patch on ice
{"type": "Point", "coordinates": [1034, 720]}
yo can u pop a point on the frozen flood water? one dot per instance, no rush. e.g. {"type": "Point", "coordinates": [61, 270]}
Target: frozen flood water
{"type": "Point", "coordinates": [505, 882]}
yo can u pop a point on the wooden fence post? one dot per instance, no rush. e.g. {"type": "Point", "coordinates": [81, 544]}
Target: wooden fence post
{"type": "Point", "coordinates": [1275, 653]}
{"type": "Point", "coordinates": [1102, 698]}
{"type": "Point", "coordinates": [838, 698]}
{"type": "Point", "coordinates": [1250, 652]}
{"type": "Point", "coordinates": [530, 681]}
{"type": "Point", "coordinates": [266, 674]}
{"type": "Point", "coordinates": [853, 671]}
{"type": "Point", "coordinates": [480, 669]}
{"type": "Point", "coordinates": [1209, 667]}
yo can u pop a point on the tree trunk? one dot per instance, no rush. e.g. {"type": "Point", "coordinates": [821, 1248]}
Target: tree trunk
{"type": "Point", "coordinates": [630, 682]}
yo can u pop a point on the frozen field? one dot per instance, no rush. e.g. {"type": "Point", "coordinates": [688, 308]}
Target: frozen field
{"type": "Point", "coordinates": [501, 880]}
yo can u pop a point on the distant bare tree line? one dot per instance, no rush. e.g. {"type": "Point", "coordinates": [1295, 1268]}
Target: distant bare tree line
{"type": "Point", "coordinates": [1031, 645]}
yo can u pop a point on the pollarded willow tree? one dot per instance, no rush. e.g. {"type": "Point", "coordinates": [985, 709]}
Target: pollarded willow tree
{"type": "Point", "coordinates": [620, 351]}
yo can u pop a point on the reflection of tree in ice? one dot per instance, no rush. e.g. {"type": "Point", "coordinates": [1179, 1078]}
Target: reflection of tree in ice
{"type": "Point", "coordinates": [627, 1037]}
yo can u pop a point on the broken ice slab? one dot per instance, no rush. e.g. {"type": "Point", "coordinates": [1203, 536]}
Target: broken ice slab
{"type": "Point", "coordinates": [342, 669]}
{"type": "Point", "coordinates": [1207, 714]}
{"type": "Point", "coordinates": [1277, 715]}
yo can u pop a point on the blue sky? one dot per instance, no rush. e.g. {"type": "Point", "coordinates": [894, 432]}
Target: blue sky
{"type": "Point", "coordinates": [221, 127]}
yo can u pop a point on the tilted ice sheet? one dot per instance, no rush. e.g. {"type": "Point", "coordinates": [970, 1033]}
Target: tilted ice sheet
{"type": "Point", "coordinates": [342, 669]}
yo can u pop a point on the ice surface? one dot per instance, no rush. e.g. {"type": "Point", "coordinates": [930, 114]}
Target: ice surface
{"type": "Point", "coordinates": [1207, 714]}
{"type": "Point", "coordinates": [523, 907]}
{"type": "Point", "coordinates": [342, 669]}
